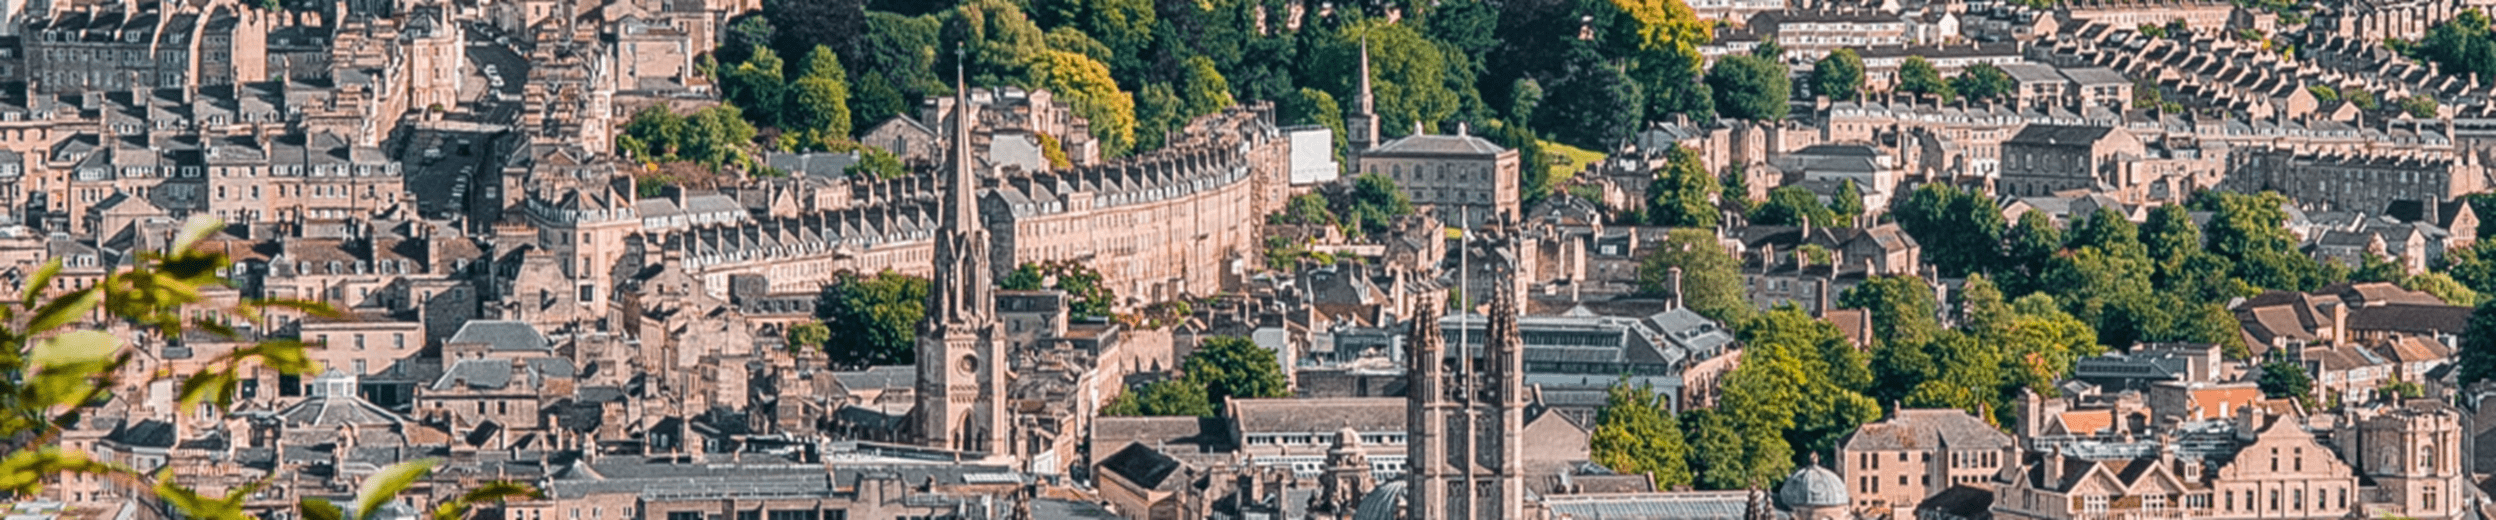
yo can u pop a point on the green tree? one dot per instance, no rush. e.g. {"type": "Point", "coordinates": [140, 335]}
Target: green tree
{"type": "Point", "coordinates": [2251, 230]}
{"type": "Point", "coordinates": [1783, 403]}
{"type": "Point", "coordinates": [1207, 91]}
{"type": "Point", "coordinates": [717, 136]}
{"type": "Point", "coordinates": [1737, 189]}
{"type": "Point", "coordinates": [1534, 178]}
{"type": "Point", "coordinates": [1071, 40]}
{"type": "Point", "coordinates": [1683, 193]}
{"type": "Point", "coordinates": [1372, 204]}
{"type": "Point", "coordinates": [877, 163]}
{"type": "Point", "coordinates": [2461, 45]}
{"type": "Point", "coordinates": [874, 319]}
{"type": "Point", "coordinates": [805, 24]}
{"type": "Point", "coordinates": [877, 101]}
{"type": "Point", "coordinates": [2420, 106]}
{"type": "Point", "coordinates": [1233, 367]}
{"type": "Point", "coordinates": [1086, 296]}
{"type": "Point", "coordinates": [2286, 379]}
{"type": "Point", "coordinates": [1593, 105]}
{"type": "Point", "coordinates": [1125, 27]}
{"type": "Point", "coordinates": [1838, 75]}
{"type": "Point", "coordinates": [1635, 433]}
{"type": "Point", "coordinates": [2443, 287]}
{"type": "Point", "coordinates": [1407, 73]}
{"type": "Point", "coordinates": [1793, 206]}
{"type": "Point", "coordinates": [1961, 230]}
{"type": "Point", "coordinates": [1086, 87]}
{"type": "Point", "coordinates": [1916, 75]}
{"type": "Point", "coordinates": [1304, 209]}
{"type": "Point", "coordinates": [1158, 111]}
{"type": "Point", "coordinates": [2323, 93]}
{"type": "Point", "coordinates": [819, 101]}
{"type": "Point", "coordinates": [1711, 279]}
{"type": "Point", "coordinates": [1004, 47]}
{"type": "Point", "coordinates": [1750, 87]}
{"type": "Point", "coordinates": [654, 134]}
{"type": "Point", "coordinates": [2478, 344]}
{"type": "Point", "coordinates": [1310, 106]}
{"type": "Point", "coordinates": [1983, 81]}
{"type": "Point", "coordinates": [1848, 202]}
{"type": "Point", "coordinates": [808, 335]}
{"type": "Point", "coordinates": [1718, 452]}
{"type": "Point", "coordinates": [756, 83]}
{"type": "Point", "coordinates": [1180, 397]}
{"type": "Point", "coordinates": [1903, 309]}
{"type": "Point", "coordinates": [2030, 247]}
{"type": "Point", "coordinates": [2364, 100]}
{"type": "Point", "coordinates": [1523, 98]}
{"type": "Point", "coordinates": [902, 50]}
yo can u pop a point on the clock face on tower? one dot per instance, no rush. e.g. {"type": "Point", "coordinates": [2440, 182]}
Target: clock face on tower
{"type": "Point", "coordinates": [967, 364]}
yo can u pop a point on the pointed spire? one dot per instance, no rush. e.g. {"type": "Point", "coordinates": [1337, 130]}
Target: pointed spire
{"type": "Point", "coordinates": [1368, 103]}
{"type": "Point", "coordinates": [961, 210]}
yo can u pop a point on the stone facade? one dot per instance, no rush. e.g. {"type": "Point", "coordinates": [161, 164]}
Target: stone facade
{"type": "Point", "coordinates": [1463, 179]}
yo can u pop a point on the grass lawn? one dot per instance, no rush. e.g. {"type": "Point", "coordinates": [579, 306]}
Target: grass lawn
{"type": "Point", "coordinates": [1566, 162]}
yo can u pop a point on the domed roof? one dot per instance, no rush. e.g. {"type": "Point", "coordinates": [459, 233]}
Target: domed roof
{"type": "Point", "coordinates": [1813, 486]}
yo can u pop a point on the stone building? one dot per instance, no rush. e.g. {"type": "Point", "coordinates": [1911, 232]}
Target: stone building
{"type": "Point", "coordinates": [1156, 225]}
{"type": "Point", "coordinates": [2412, 452]}
{"type": "Point", "coordinates": [1896, 463]}
{"type": "Point", "coordinates": [2198, 15]}
{"type": "Point", "coordinates": [2044, 159]}
{"type": "Point", "coordinates": [2364, 181]}
{"type": "Point", "coordinates": [1462, 179]}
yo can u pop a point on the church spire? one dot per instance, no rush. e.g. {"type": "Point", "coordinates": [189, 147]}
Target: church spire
{"type": "Point", "coordinates": [1363, 121]}
{"type": "Point", "coordinates": [961, 279]}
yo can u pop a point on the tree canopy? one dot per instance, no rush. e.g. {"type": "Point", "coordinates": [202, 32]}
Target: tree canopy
{"type": "Point", "coordinates": [1838, 75]}
{"type": "Point", "coordinates": [873, 319]}
{"type": "Point", "coordinates": [1750, 87]}
{"type": "Point", "coordinates": [1711, 280]}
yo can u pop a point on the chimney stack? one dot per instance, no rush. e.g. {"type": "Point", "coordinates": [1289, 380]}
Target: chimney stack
{"type": "Point", "coordinates": [1673, 276]}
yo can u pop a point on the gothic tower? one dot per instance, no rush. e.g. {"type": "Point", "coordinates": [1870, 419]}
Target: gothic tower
{"type": "Point", "coordinates": [961, 352]}
{"type": "Point", "coordinates": [1467, 410]}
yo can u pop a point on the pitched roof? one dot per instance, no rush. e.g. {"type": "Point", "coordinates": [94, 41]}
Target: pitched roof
{"type": "Point", "coordinates": [2060, 135]}
{"type": "Point", "coordinates": [1287, 415]}
{"type": "Point", "coordinates": [501, 335]}
{"type": "Point", "coordinates": [1923, 429]}
{"type": "Point", "coordinates": [1432, 144]}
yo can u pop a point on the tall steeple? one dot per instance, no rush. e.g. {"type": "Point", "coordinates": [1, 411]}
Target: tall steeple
{"type": "Point", "coordinates": [962, 251]}
{"type": "Point", "coordinates": [1362, 123]}
{"type": "Point", "coordinates": [961, 352]}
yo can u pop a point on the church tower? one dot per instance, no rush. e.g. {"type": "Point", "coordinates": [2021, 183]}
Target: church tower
{"type": "Point", "coordinates": [961, 351]}
{"type": "Point", "coordinates": [1467, 409]}
{"type": "Point", "coordinates": [1361, 126]}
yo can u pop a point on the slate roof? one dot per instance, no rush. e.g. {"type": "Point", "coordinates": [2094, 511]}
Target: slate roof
{"type": "Point", "coordinates": [883, 377]}
{"type": "Point", "coordinates": [1926, 429]}
{"type": "Point", "coordinates": [497, 374]}
{"type": "Point", "coordinates": [502, 335]}
{"type": "Point", "coordinates": [149, 433]}
{"type": "Point", "coordinates": [2060, 135]}
{"type": "Point", "coordinates": [1286, 415]}
{"type": "Point", "coordinates": [1432, 144]}
{"type": "Point", "coordinates": [1960, 501]}
{"type": "Point", "coordinates": [1701, 505]}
